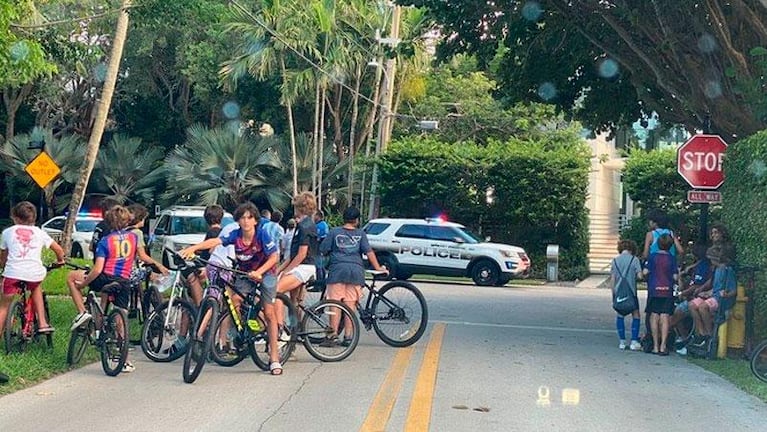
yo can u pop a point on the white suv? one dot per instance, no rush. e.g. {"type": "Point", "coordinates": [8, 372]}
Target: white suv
{"type": "Point", "coordinates": [178, 227]}
{"type": "Point", "coordinates": [437, 247]}
{"type": "Point", "coordinates": [82, 235]}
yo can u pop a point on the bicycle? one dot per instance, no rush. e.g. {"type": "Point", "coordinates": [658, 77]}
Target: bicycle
{"type": "Point", "coordinates": [22, 324]}
{"type": "Point", "coordinates": [397, 306]}
{"type": "Point", "coordinates": [107, 330]}
{"type": "Point", "coordinates": [165, 332]}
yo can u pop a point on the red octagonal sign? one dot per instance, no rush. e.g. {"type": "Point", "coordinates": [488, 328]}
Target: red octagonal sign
{"type": "Point", "coordinates": [699, 161]}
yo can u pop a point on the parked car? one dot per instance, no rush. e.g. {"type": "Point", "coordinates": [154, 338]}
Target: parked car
{"type": "Point", "coordinates": [178, 227]}
{"type": "Point", "coordinates": [82, 235]}
{"type": "Point", "coordinates": [438, 247]}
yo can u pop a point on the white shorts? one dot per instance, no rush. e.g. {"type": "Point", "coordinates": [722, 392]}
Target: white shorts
{"type": "Point", "coordinates": [304, 272]}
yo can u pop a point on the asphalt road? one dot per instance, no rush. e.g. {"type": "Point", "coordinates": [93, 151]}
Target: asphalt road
{"type": "Point", "coordinates": [493, 359]}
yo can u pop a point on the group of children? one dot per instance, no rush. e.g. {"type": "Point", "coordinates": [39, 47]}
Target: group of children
{"type": "Point", "coordinates": [711, 287]}
{"type": "Point", "coordinates": [254, 242]}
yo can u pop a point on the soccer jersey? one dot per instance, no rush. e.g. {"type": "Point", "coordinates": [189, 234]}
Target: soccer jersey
{"type": "Point", "coordinates": [661, 267]}
{"type": "Point", "coordinates": [251, 256]}
{"type": "Point", "coordinates": [118, 249]}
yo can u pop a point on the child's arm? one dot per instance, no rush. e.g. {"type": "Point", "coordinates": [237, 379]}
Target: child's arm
{"type": "Point", "coordinates": [144, 257]}
{"type": "Point", "coordinates": [205, 245]}
{"type": "Point", "coordinates": [647, 243]}
{"type": "Point", "coordinates": [98, 267]}
{"type": "Point", "coordinates": [59, 251]}
{"type": "Point", "coordinates": [3, 257]}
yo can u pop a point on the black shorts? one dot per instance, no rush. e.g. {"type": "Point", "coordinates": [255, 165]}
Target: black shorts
{"type": "Point", "coordinates": [114, 286]}
{"type": "Point", "coordinates": [660, 305]}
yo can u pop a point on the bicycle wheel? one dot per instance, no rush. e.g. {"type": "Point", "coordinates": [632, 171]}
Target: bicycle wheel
{"type": "Point", "coordinates": [201, 341]}
{"type": "Point", "coordinates": [759, 361]}
{"type": "Point", "coordinates": [259, 344]}
{"type": "Point", "coordinates": [114, 342]}
{"type": "Point", "coordinates": [78, 341]}
{"type": "Point", "coordinates": [13, 333]}
{"type": "Point", "coordinates": [161, 343]}
{"type": "Point", "coordinates": [320, 338]}
{"type": "Point", "coordinates": [227, 349]}
{"type": "Point", "coordinates": [400, 313]}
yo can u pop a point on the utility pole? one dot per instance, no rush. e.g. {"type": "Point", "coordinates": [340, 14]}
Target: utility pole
{"type": "Point", "coordinates": [385, 115]}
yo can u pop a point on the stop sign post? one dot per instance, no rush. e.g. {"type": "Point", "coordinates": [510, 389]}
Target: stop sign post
{"type": "Point", "coordinates": [699, 162]}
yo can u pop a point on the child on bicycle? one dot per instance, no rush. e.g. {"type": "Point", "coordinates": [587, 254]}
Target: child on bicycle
{"type": "Point", "coordinates": [257, 255]}
{"type": "Point", "coordinates": [21, 248]}
{"type": "Point", "coordinates": [115, 258]}
{"type": "Point", "coordinates": [345, 246]}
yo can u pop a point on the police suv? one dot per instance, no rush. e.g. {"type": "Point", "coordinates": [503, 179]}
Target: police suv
{"type": "Point", "coordinates": [179, 227]}
{"type": "Point", "coordinates": [438, 247]}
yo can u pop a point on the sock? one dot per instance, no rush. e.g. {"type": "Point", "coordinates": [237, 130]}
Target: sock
{"type": "Point", "coordinates": [635, 329]}
{"type": "Point", "coordinates": [621, 326]}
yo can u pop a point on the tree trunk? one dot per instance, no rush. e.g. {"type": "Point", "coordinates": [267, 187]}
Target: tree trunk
{"type": "Point", "coordinates": [12, 99]}
{"type": "Point", "coordinates": [291, 126]}
{"type": "Point", "coordinates": [102, 112]}
{"type": "Point", "coordinates": [352, 132]}
{"type": "Point", "coordinates": [316, 134]}
{"type": "Point", "coordinates": [321, 147]}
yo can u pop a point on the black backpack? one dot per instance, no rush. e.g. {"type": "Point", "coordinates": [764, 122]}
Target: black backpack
{"type": "Point", "coordinates": [624, 298]}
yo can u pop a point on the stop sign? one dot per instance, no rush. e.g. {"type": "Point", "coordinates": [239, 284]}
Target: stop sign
{"type": "Point", "coordinates": [699, 161]}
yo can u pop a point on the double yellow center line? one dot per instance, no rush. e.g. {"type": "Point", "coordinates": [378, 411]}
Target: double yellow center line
{"type": "Point", "coordinates": [419, 414]}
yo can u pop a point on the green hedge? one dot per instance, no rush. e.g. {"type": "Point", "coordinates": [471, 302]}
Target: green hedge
{"type": "Point", "coordinates": [537, 190]}
{"type": "Point", "coordinates": [744, 212]}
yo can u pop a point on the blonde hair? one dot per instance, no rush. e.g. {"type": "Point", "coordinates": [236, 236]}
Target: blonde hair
{"type": "Point", "coordinates": [305, 203]}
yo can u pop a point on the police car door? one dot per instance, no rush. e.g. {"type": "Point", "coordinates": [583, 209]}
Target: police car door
{"type": "Point", "coordinates": [411, 241]}
{"type": "Point", "coordinates": [446, 249]}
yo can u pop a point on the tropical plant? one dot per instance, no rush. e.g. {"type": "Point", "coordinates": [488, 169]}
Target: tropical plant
{"type": "Point", "coordinates": [226, 167]}
{"type": "Point", "coordinates": [127, 170]}
{"type": "Point", "coordinates": [66, 151]}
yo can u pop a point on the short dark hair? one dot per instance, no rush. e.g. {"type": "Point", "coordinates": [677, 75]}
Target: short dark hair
{"type": "Point", "coordinates": [266, 213]}
{"type": "Point", "coordinates": [276, 216]}
{"type": "Point", "coordinates": [25, 212]}
{"type": "Point", "coordinates": [665, 242]}
{"type": "Point", "coordinates": [699, 250]}
{"type": "Point", "coordinates": [246, 207]}
{"type": "Point", "coordinates": [320, 214]}
{"type": "Point", "coordinates": [659, 217]}
{"type": "Point", "coordinates": [213, 214]}
{"type": "Point", "coordinates": [139, 213]}
{"type": "Point", "coordinates": [629, 245]}
{"type": "Point", "coordinates": [351, 214]}
{"type": "Point", "coordinates": [107, 203]}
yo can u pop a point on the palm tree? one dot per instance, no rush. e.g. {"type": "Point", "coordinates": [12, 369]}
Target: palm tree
{"type": "Point", "coordinates": [66, 151]}
{"type": "Point", "coordinates": [270, 38]}
{"type": "Point", "coordinates": [102, 111]}
{"type": "Point", "coordinates": [221, 166]}
{"type": "Point", "coordinates": [126, 171]}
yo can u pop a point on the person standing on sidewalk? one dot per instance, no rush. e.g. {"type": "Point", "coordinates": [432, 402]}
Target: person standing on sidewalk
{"type": "Point", "coordinates": [626, 263]}
{"type": "Point", "coordinates": [662, 270]}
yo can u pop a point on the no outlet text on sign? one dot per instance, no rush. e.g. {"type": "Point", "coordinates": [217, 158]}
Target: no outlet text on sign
{"type": "Point", "coordinates": [699, 161]}
{"type": "Point", "coordinates": [42, 169]}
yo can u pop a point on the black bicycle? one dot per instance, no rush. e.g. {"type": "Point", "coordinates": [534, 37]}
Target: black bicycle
{"type": "Point", "coordinates": [107, 330]}
{"type": "Point", "coordinates": [22, 325]}
{"type": "Point", "coordinates": [397, 311]}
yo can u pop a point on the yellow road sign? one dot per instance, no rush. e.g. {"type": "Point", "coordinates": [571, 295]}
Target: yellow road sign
{"type": "Point", "coordinates": [42, 169]}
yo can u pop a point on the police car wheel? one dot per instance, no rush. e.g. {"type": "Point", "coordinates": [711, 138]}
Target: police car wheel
{"type": "Point", "coordinates": [77, 251]}
{"type": "Point", "coordinates": [485, 273]}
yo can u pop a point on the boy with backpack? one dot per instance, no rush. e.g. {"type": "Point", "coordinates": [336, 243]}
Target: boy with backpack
{"type": "Point", "coordinates": [624, 272]}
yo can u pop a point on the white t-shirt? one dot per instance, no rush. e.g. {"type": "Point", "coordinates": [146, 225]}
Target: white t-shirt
{"type": "Point", "coordinates": [25, 244]}
{"type": "Point", "coordinates": [220, 254]}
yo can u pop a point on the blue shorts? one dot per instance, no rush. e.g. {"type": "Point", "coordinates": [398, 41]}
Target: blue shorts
{"type": "Point", "coordinates": [684, 307]}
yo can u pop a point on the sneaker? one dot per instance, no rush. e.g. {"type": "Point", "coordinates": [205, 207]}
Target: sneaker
{"type": "Point", "coordinates": [700, 341]}
{"type": "Point", "coordinates": [128, 367]}
{"type": "Point", "coordinates": [679, 339]}
{"type": "Point", "coordinates": [635, 346]}
{"type": "Point", "coordinates": [622, 345]}
{"type": "Point", "coordinates": [80, 319]}
{"type": "Point", "coordinates": [346, 342]}
{"type": "Point", "coordinates": [682, 351]}
{"type": "Point", "coordinates": [329, 342]}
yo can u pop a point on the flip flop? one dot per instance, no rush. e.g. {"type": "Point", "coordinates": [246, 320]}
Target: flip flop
{"type": "Point", "coordinates": [3, 378]}
{"type": "Point", "coordinates": [46, 329]}
{"type": "Point", "coordinates": [275, 368]}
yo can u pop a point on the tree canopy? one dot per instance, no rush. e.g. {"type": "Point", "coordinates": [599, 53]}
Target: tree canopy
{"type": "Point", "coordinates": [609, 63]}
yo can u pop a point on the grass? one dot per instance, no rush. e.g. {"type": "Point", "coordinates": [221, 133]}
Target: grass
{"type": "Point", "coordinates": [737, 372]}
{"type": "Point", "coordinates": [37, 362]}
{"type": "Point", "coordinates": [55, 282]}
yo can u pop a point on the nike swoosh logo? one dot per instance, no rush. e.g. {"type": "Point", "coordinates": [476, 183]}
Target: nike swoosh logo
{"type": "Point", "coordinates": [621, 299]}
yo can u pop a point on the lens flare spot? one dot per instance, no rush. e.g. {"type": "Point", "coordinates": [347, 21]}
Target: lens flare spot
{"type": "Point", "coordinates": [608, 68]}
{"type": "Point", "coordinates": [531, 11]}
{"type": "Point", "coordinates": [706, 44]}
{"type": "Point", "coordinates": [100, 72]}
{"type": "Point", "coordinates": [712, 89]}
{"type": "Point", "coordinates": [547, 91]}
{"type": "Point", "coordinates": [758, 169]}
{"type": "Point", "coordinates": [231, 110]}
{"type": "Point", "coordinates": [19, 51]}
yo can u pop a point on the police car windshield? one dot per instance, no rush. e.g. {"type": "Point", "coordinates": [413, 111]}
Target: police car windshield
{"type": "Point", "coordinates": [468, 236]}
{"type": "Point", "coordinates": [193, 224]}
{"type": "Point", "coordinates": [86, 225]}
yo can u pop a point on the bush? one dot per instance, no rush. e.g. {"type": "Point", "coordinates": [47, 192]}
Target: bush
{"type": "Point", "coordinates": [519, 192]}
{"type": "Point", "coordinates": [744, 195]}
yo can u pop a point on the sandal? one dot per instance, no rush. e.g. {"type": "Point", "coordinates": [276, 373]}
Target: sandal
{"type": "Point", "coordinates": [45, 330]}
{"type": "Point", "coordinates": [275, 368]}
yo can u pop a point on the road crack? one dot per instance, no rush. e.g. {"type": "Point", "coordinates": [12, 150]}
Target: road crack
{"type": "Point", "coordinates": [290, 397]}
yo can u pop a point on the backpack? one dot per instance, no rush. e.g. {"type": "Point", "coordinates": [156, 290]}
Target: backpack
{"type": "Point", "coordinates": [624, 299]}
